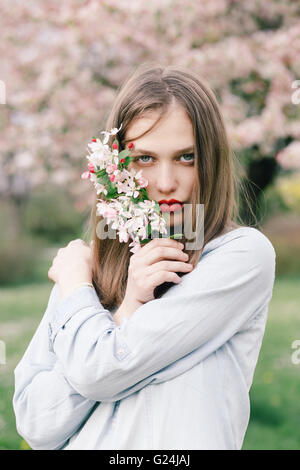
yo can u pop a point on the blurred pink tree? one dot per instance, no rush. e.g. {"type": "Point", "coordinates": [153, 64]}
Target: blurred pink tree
{"type": "Point", "coordinates": [62, 63]}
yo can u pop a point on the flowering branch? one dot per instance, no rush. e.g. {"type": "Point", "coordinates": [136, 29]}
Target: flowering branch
{"type": "Point", "coordinates": [127, 206]}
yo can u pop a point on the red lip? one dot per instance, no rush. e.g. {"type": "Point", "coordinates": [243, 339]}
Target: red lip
{"type": "Point", "coordinates": [171, 201]}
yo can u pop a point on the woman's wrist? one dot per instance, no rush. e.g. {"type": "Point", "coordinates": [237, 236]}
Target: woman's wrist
{"type": "Point", "coordinates": [126, 310]}
{"type": "Point", "coordinates": [67, 289]}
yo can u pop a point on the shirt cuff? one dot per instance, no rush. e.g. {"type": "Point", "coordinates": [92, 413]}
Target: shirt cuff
{"type": "Point", "coordinates": [81, 298]}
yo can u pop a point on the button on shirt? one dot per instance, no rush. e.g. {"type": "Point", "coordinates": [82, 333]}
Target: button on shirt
{"type": "Point", "coordinates": [175, 375]}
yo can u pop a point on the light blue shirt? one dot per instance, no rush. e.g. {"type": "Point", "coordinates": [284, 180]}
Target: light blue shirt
{"type": "Point", "coordinates": [175, 375]}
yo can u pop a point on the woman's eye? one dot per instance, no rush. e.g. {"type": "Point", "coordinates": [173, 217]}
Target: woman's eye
{"type": "Point", "coordinates": [190, 157]}
{"type": "Point", "coordinates": [143, 156]}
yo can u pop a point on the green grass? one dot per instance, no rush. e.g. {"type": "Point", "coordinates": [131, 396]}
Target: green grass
{"type": "Point", "coordinates": [275, 404]}
{"type": "Point", "coordinates": [21, 309]}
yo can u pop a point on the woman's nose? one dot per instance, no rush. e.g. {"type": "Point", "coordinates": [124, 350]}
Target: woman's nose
{"type": "Point", "coordinates": [166, 179]}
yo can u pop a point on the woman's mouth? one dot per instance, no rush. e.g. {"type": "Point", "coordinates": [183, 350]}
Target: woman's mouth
{"type": "Point", "coordinates": [170, 206]}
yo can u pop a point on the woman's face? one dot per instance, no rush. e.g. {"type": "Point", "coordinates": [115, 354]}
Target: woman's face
{"type": "Point", "coordinates": [166, 157]}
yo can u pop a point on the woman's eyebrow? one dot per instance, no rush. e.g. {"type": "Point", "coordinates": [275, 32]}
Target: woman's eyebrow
{"type": "Point", "coordinates": [150, 152]}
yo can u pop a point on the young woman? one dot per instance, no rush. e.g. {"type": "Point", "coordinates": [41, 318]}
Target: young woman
{"type": "Point", "coordinates": [126, 363]}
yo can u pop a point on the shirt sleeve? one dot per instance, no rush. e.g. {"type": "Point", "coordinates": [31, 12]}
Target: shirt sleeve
{"type": "Point", "coordinates": [47, 408]}
{"type": "Point", "coordinates": [226, 290]}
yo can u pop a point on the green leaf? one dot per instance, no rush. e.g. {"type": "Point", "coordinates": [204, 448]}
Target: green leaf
{"type": "Point", "coordinates": [148, 229]}
{"type": "Point", "coordinates": [112, 194]}
{"type": "Point", "coordinates": [144, 194]}
{"type": "Point", "coordinates": [136, 200]}
{"type": "Point", "coordinates": [112, 191]}
{"type": "Point", "coordinates": [128, 160]}
{"type": "Point", "coordinates": [157, 207]}
{"type": "Point", "coordinates": [104, 179]}
{"type": "Point", "coordinates": [176, 235]}
{"type": "Point", "coordinates": [146, 240]}
{"type": "Point", "coordinates": [100, 172]}
{"type": "Point", "coordinates": [124, 154]}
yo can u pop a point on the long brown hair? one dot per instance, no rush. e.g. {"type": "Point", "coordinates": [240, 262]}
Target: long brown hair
{"type": "Point", "coordinates": [153, 87]}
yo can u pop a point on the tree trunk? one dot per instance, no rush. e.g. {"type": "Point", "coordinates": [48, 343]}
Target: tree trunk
{"type": "Point", "coordinates": [261, 173]}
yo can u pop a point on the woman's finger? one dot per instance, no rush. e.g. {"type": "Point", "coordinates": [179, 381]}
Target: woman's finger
{"type": "Point", "coordinates": [162, 252]}
{"type": "Point", "coordinates": [165, 242]}
{"type": "Point", "coordinates": [164, 276]}
{"type": "Point", "coordinates": [172, 266]}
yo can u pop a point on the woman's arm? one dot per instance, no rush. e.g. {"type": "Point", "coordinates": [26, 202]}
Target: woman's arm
{"type": "Point", "coordinates": [105, 362]}
{"type": "Point", "coordinates": [47, 408]}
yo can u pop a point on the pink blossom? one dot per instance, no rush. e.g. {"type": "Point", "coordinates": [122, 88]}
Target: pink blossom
{"type": "Point", "coordinates": [143, 182]}
{"type": "Point", "coordinates": [56, 102]}
{"type": "Point", "coordinates": [111, 167]}
{"type": "Point", "coordinates": [289, 157]}
{"type": "Point", "coordinates": [110, 212]}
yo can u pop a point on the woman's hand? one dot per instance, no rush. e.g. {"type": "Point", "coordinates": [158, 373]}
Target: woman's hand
{"type": "Point", "coordinates": [154, 264]}
{"type": "Point", "coordinates": [71, 266]}
{"type": "Point", "coordinates": [150, 266]}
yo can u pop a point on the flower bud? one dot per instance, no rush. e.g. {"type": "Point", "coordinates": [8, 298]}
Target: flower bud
{"type": "Point", "coordinates": [91, 167]}
{"type": "Point", "coordinates": [86, 175]}
{"type": "Point", "coordinates": [130, 145]}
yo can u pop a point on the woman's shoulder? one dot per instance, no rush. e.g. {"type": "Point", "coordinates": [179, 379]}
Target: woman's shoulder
{"type": "Point", "coordinates": [255, 239]}
{"type": "Point", "coordinates": [246, 246]}
{"type": "Point", "coordinates": [246, 236]}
